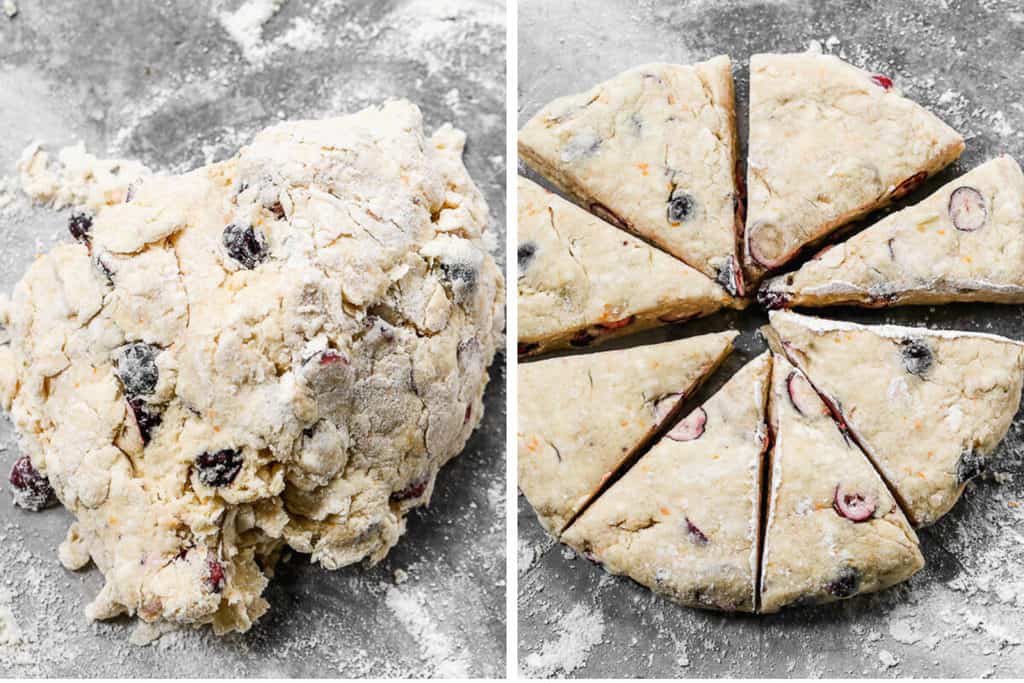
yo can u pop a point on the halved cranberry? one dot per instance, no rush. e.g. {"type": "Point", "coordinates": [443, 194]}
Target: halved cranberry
{"type": "Point", "coordinates": [413, 490]}
{"type": "Point", "coordinates": [619, 324]}
{"type": "Point", "coordinates": [330, 357]}
{"type": "Point", "coordinates": [766, 244]}
{"type": "Point", "coordinates": [803, 396]}
{"type": "Point", "coordinates": [32, 490]}
{"type": "Point", "coordinates": [909, 185]}
{"type": "Point", "coordinates": [220, 467]}
{"type": "Point", "coordinates": [853, 506]}
{"type": "Point", "coordinates": [246, 245]}
{"type": "Point", "coordinates": [967, 209]}
{"type": "Point", "coordinates": [690, 427]}
{"type": "Point", "coordinates": [883, 81]}
{"type": "Point", "coordinates": [663, 408]}
{"type": "Point", "coordinates": [696, 535]}
{"type": "Point", "coordinates": [215, 575]}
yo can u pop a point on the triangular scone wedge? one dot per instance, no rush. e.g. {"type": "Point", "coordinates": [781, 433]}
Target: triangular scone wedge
{"type": "Point", "coordinates": [583, 281]}
{"type": "Point", "coordinates": [829, 143]}
{"type": "Point", "coordinates": [928, 406]}
{"type": "Point", "coordinates": [684, 520]}
{"type": "Point", "coordinates": [963, 243]}
{"type": "Point", "coordinates": [581, 417]}
{"type": "Point", "coordinates": [652, 150]}
{"type": "Point", "coordinates": [833, 530]}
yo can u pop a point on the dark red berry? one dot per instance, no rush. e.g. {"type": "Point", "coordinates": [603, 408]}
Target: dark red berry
{"type": "Point", "coordinates": [619, 324]}
{"type": "Point", "coordinates": [413, 490]}
{"type": "Point", "coordinates": [772, 299]}
{"type": "Point", "coordinates": [691, 427]}
{"type": "Point", "coordinates": [276, 209]}
{"type": "Point", "coordinates": [146, 417]}
{"type": "Point", "coordinates": [696, 535]}
{"type": "Point", "coordinates": [846, 584]}
{"type": "Point", "coordinates": [32, 490]}
{"type": "Point", "coordinates": [220, 467]}
{"type": "Point", "coordinates": [680, 206]}
{"type": "Point", "coordinates": [137, 370]}
{"type": "Point", "coordinates": [883, 81]}
{"type": "Point", "coordinates": [215, 576]}
{"type": "Point", "coordinates": [803, 396]}
{"type": "Point", "coordinates": [917, 357]}
{"type": "Point", "coordinates": [525, 255]}
{"type": "Point", "coordinates": [246, 245]}
{"type": "Point", "coordinates": [80, 226]}
{"type": "Point", "coordinates": [330, 357]}
{"type": "Point", "coordinates": [853, 506]}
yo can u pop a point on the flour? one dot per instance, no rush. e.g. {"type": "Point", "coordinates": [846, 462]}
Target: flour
{"type": "Point", "coordinates": [10, 9]}
{"type": "Point", "coordinates": [411, 610]}
{"type": "Point", "coordinates": [245, 27]}
{"type": "Point", "coordinates": [10, 632]}
{"type": "Point", "coordinates": [578, 632]}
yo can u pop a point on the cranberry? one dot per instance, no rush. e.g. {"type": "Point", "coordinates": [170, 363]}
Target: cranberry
{"type": "Point", "coordinates": [766, 244]}
{"type": "Point", "coordinates": [884, 81]}
{"type": "Point", "coordinates": [526, 348]}
{"type": "Point", "coordinates": [469, 413]}
{"type": "Point", "coordinates": [909, 185]}
{"type": "Point", "coordinates": [275, 209]}
{"type": "Point", "coordinates": [772, 299]}
{"type": "Point", "coordinates": [220, 467]}
{"type": "Point", "coordinates": [680, 206]}
{"type": "Point", "coordinates": [969, 466]}
{"type": "Point", "coordinates": [803, 396]}
{"type": "Point", "coordinates": [846, 584]}
{"type": "Point", "coordinates": [80, 226]}
{"type": "Point", "coordinates": [32, 490]}
{"type": "Point", "coordinates": [215, 575]}
{"type": "Point", "coordinates": [619, 324]}
{"type": "Point", "coordinates": [146, 418]}
{"type": "Point", "coordinates": [525, 255]}
{"type": "Point", "coordinates": [690, 427]}
{"type": "Point", "coordinates": [853, 506]}
{"type": "Point", "coordinates": [696, 535]}
{"type": "Point", "coordinates": [246, 245]}
{"type": "Point", "coordinates": [331, 357]}
{"type": "Point", "coordinates": [582, 338]}
{"type": "Point", "coordinates": [413, 490]}
{"type": "Point", "coordinates": [967, 209]}
{"type": "Point", "coordinates": [137, 370]}
{"type": "Point", "coordinates": [917, 357]}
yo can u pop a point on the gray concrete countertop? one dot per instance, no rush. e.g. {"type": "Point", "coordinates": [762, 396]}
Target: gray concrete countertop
{"type": "Point", "coordinates": [164, 82]}
{"type": "Point", "coordinates": [962, 615]}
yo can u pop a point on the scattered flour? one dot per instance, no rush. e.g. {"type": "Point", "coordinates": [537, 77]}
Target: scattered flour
{"type": "Point", "coordinates": [10, 9]}
{"type": "Point", "coordinates": [580, 631]}
{"type": "Point", "coordinates": [245, 27]}
{"type": "Point", "coordinates": [416, 617]}
{"type": "Point", "coordinates": [904, 631]}
{"type": "Point", "coordinates": [887, 659]}
{"type": "Point", "coordinates": [10, 633]}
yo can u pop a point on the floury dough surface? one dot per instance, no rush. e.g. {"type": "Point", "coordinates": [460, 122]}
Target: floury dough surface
{"type": "Point", "coordinates": [949, 399]}
{"type": "Point", "coordinates": [277, 350]}
{"type": "Point", "coordinates": [684, 520]}
{"type": "Point", "coordinates": [965, 242]}
{"type": "Point", "coordinates": [828, 144]}
{"type": "Point", "coordinates": [833, 529]}
{"type": "Point", "coordinates": [653, 150]}
{"type": "Point", "coordinates": [582, 281]}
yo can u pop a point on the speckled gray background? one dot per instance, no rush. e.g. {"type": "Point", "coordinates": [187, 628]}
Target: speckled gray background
{"type": "Point", "coordinates": [962, 615]}
{"type": "Point", "coordinates": [162, 82]}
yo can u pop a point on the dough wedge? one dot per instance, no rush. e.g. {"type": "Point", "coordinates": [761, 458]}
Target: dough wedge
{"type": "Point", "coordinates": [581, 417]}
{"type": "Point", "coordinates": [583, 281]}
{"type": "Point", "coordinates": [963, 243]}
{"type": "Point", "coordinates": [928, 406]}
{"type": "Point", "coordinates": [652, 150]}
{"type": "Point", "coordinates": [833, 529]}
{"type": "Point", "coordinates": [829, 143]}
{"type": "Point", "coordinates": [685, 520]}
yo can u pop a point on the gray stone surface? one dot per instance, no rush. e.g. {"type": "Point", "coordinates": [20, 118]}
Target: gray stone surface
{"type": "Point", "coordinates": [163, 82]}
{"type": "Point", "coordinates": [962, 615]}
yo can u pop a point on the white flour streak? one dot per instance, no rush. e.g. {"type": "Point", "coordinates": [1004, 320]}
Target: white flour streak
{"type": "Point", "coordinates": [438, 651]}
{"type": "Point", "coordinates": [582, 630]}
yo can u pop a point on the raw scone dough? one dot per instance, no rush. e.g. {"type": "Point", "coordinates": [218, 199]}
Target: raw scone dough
{"type": "Point", "coordinates": [684, 521]}
{"type": "Point", "coordinates": [829, 143]}
{"type": "Point", "coordinates": [582, 417]}
{"type": "Point", "coordinates": [963, 243]}
{"type": "Point", "coordinates": [833, 528]}
{"type": "Point", "coordinates": [652, 150]}
{"type": "Point", "coordinates": [280, 349]}
{"type": "Point", "coordinates": [582, 281]}
{"type": "Point", "coordinates": [928, 406]}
